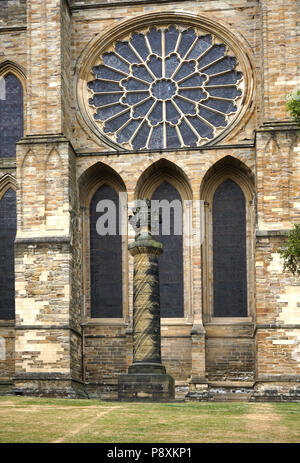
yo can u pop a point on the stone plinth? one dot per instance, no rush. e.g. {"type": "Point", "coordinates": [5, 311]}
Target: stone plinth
{"type": "Point", "coordinates": [142, 387]}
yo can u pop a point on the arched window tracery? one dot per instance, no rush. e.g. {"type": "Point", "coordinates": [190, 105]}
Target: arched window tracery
{"type": "Point", "coordinates": [105, 259]}
{"type": "Point", "coordinates": [171, 261]}
{"type": "Point", "coordinates": [11, 114]}
{"type": "Point", "coordinates": [8, 227]}
{"type": "Point", "coordinates": [229, 251]}
{"type": "Point", "coordinates": [227, 190]}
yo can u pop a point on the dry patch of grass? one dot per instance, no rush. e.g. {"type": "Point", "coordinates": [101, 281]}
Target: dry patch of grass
{"type": "Point", "coordinates": [72, 421]}
{"type": "Point", "coordinates": [265, 425]}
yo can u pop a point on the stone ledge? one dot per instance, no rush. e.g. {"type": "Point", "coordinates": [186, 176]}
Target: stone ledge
{"type": "Point", "coordinates": [276, 126]}
{"type": "Point", "coordinates": [47, 327]}
{"type": "Point", "coordinates": [40, 240]}
{"type": "Point", "coordinates": [198, 380]}
{"type": "Point", "coordinates": [229, 321]}
{"type": "Point", "coordinates": [277, 379]}
{"type": "Point", "coordinates": [6, 382]}
{"type": "Point", "coordinates": [48, 385]}
{"type": "Point", "coordinates": [45, 377]}
{"type": "Point", "coordinates": [232, 384]}
{"type": "Point", "coordinates": [43, 138]}
{"type": "Point", "coordinates": [6, 29]}
{"type": "Point", "coordinates": [113, 322]}
{"type": "Point", "coordinates": [7, 323]}
{"type": "Point", "coordinates": [166, 150]}
{"type": "Point", "coordinates": [104, 336]}
{"type": "Point", "coordinates": [47, 138]}
{"type": "Point", "coordinates": [266, 233]}
{"type": "Point", "coordinates": [176, 321]}
{"type": "Point", "coordinates": [8, 163]}
{"type": "Point", "coordinates": [275, 326]}
{"type": "Point", "coordinates": [73, 6]}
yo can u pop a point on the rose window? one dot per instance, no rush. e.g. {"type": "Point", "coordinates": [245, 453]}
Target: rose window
{"type": "Point", "coordinates": [168, 87]}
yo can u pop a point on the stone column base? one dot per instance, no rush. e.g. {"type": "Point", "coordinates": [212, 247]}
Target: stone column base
{"type": "Point", "coordinates": [38, 385]}
{"type": "Point", "coordinates": [146, 387]}
{"type": "Point", "coordinates": [147, 367]}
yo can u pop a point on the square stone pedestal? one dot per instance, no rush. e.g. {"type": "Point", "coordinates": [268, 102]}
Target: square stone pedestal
{"type": "Point", "coordinates": [146, 382]}
{"type": "Point", "coordinates": [146, 387]}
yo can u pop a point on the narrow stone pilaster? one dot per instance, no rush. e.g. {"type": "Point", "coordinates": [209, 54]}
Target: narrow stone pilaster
{"type": "Point", "coordinates": [48, 64]}
{"type": "Point", "coordinates": [198, 385]}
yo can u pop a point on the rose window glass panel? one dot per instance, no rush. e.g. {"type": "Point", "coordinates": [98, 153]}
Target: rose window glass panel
{"type": "Point", "coordinates": [166, 87]}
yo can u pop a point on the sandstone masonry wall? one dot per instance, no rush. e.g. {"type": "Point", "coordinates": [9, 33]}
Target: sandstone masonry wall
{"type": "Point", "coordinates": [58, 347]}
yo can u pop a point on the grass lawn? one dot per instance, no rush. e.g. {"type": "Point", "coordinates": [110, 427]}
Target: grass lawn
{"type": "Point", "coordinates": [76, 421]}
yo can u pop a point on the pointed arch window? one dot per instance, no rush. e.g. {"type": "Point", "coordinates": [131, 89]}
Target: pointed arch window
{"type": "Point", "coordinates": [229, 251]}
{"type": "Point", "coordinates": [171, 261]}
{"type": "Point", "coordinates": [11, 114]}
{"type": "Point", "coordinates": [7, 236]}
{"type": "Point", "coordinates": [105, 260]}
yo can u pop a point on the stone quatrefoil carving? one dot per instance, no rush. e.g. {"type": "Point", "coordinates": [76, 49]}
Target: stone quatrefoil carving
{"type": "Point", "coordinates": [169, 87]}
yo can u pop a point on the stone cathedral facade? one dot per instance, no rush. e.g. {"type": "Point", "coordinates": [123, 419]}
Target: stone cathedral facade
{"type": "Point", "coordinates": [167, 100]}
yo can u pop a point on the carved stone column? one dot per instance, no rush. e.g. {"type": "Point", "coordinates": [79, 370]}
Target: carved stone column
{"type": "Point", "coordinates": [146, 378]}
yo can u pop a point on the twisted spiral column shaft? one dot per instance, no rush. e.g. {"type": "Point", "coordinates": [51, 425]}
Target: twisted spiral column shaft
{"type": "Point", "coordinates": [146, 303]}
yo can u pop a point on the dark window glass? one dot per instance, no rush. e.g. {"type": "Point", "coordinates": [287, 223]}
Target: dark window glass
{"type": "Point", "coordinates": [229, 251]}
{"type": "Point", "coordinates": [187, 39]}
{"type": "Point", "coordinates": [171, 261]}
{"type": "Point", "coordinates": [156, 137]}
{"type": "Point", "coordinates": [7, 236]}
{"type": "Point", "coordinates": [11, 115]}
{"type": "Point", "coordinates": [117, 122]}
{"type": "Point", "coordinates": [112, 60]}
{"type": "Point", "coordinates": [201, 128]}
{"type": "Point", "coordinates": [127, 132]}
{"type": "Point", "coordinates": [140, 139]}
{"type": "Point", "coordinates": [105, 261]}
{"type": "Point", "coordinates": [172, 63]}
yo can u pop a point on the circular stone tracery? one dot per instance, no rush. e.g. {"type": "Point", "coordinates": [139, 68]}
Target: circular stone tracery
{"type": "Point", "coordinates": [166, 87]}
{"type": "Point", "coordinates": [163, 89]}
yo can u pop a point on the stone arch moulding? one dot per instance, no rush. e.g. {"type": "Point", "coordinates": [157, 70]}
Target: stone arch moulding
{"type": "Point", "coordinates": [156, 173]}
{"type": "Point", "coordinates": [161, 171]}
{"type": "Point", "coordinates": [88, 183]}
{"type": "Point", "coordinates": [10, 67]}
{"type": "Point", "coordinates": [233, 169]}
{"type": "Point", "coordinates": [7, 182]}
{"type": "Point", "coordinates": [236, 50]}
